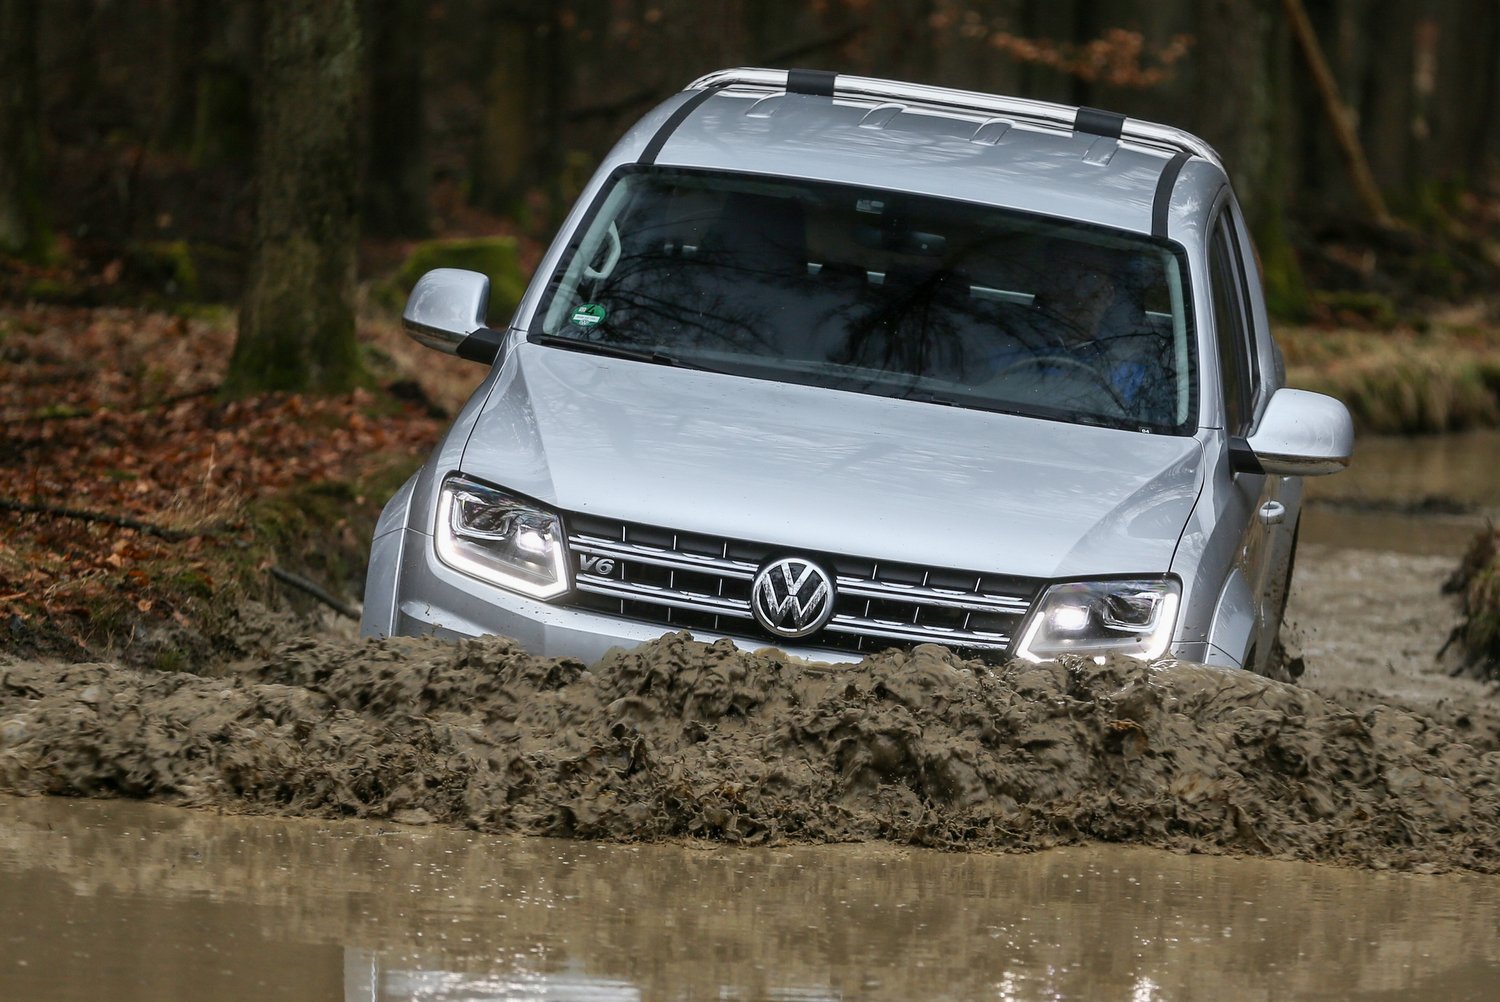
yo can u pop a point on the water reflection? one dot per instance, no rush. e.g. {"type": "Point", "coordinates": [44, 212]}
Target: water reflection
{"type": "Point", "coordinates": [365, 977]}
{"type": "Point", "coordinates": [125, 901]}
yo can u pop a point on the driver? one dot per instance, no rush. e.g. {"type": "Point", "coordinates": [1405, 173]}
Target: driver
{"type": "Point", "coordinates": [1071, 338]}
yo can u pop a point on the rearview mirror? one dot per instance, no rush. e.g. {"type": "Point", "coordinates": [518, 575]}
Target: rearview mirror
{"type": "Point", "coordinates": [1301, 434]}
{"type": "Point", "coordinates": [446, 311]}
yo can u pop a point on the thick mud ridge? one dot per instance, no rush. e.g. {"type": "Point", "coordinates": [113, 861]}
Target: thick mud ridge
{"type": "Point", "coordinates": [682, 739]}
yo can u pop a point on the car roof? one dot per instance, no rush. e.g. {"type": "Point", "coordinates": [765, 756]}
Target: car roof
{"type": "Point", "coordinates": [1051, 159]}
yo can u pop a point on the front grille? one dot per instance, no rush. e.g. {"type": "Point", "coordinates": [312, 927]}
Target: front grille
{"type": "Point", "coordinates": [692, 581]}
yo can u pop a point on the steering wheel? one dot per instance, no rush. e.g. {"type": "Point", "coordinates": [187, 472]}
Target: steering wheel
{"type": "Point", "coordinates": [612, 258]}
{"type": "Point", "coordinates": [1073, 365]}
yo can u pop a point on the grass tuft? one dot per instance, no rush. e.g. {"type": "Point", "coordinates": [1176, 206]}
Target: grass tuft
{"type": "Point", "coordinates": [1401, 382]}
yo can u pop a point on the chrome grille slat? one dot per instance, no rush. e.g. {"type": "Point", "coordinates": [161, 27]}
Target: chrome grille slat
{"type": "Point", "coordinates": [671, 597]}
{"type": "Point", "coordinates": [948, 598]}
{"type": "Point", "coordinates": [919, 635]}
{"type": "Point", "coordinates": [691, 580]}
{"type": "Point", "coordinates": [659, 557]}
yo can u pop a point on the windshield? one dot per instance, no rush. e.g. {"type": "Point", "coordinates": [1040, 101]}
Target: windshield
{"type": "Point", "coordinates": [880, 292]}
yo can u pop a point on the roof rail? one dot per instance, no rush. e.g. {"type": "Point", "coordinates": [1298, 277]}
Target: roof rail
{"type": "Point", "coordinates": [1037, 112]}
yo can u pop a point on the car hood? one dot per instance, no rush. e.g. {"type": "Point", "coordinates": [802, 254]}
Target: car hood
{"type": "Point", "coordinates": [826, 471]}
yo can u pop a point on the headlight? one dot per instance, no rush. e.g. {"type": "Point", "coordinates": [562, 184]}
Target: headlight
{"type": "Point", "coordinates": [501, 539]}
{"type": "Point", "coordinates": [1091, 618]}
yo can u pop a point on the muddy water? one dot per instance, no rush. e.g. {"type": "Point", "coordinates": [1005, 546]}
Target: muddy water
{"type": "Point", "coordinates": [1367, 609]}
{"type": "Point", "coordinates": [110, 899]}
{"type": "Point", "coordinates": [1422, 495]}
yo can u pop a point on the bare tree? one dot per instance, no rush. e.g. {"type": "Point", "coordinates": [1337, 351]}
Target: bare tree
{"type": "Point", "coordinates": [526, 88]}
{"type": "Point", "coordinates": [23, 218]}
{"type": "Point", "coordinates": [396, 169]}
{"type": "Point", "coordinates": [297, 320]}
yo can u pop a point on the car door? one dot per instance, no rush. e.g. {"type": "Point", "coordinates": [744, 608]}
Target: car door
{"type": "Point", "coordinates": [1254, 498]}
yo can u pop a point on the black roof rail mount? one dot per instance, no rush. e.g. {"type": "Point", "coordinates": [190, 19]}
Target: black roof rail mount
{"type": "Point", "coordinates": [818, 82]}
{"type": "Point", "coordinates": [1095, 122]}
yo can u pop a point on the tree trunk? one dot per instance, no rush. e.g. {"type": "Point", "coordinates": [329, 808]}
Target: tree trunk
{"type": "Point", "coordinates": [525, 93]}
{"type": "Point", "coordinates": [1337, 115]}
{"type": "Point", "coordinates": [222, 131]}
{"type": "Point", "coordinates": [297, 321]}
{"type": "Point", "coordinates": [1240, 59]}
{"type": "Point", "coordinates": [23, 216]}
{"type": "Point", "coordinates": [187, 33]}
{"type": "Point", "coordinates": [1486, 153]}
{"type": "Point", "coordinates": [396, 172]}
{"type": "Point", "coordinates": [1384, 100]}
{"type": "Point", "coordinates": [1453, 93]}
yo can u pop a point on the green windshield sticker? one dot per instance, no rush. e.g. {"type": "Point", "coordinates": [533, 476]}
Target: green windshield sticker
{"type": "Point", "coordinates": [587, 315]}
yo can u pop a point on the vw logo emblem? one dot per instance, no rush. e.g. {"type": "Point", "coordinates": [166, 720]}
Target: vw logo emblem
{"type": "Point", "coordinates": [792, 597]}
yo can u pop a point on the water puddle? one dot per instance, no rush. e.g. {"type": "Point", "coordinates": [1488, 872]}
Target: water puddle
{"type": "Point", "coordinates": [1408, 494]}
{"type": "Point", "coordinates": [120, 900]}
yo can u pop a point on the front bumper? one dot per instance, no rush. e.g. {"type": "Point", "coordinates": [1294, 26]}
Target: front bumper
{"type": "Point", "coordinates": [411, 593]}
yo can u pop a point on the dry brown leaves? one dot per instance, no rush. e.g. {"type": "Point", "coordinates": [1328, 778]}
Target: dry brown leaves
{"type": "Point", "coordinates": [111, 411]}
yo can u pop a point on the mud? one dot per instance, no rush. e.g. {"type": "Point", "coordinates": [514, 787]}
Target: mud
{"type": "Point", "coordinates": [1369, 626]}
{"type": "Point", "coordinates": [679, 739]}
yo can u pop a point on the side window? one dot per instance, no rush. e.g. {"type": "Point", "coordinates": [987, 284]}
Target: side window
{"type": "Point", "coordinates": [1232, 327]}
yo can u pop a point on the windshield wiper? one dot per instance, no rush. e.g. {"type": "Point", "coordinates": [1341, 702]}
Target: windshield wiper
{"type": "Point", "coordinates": [964, 402]}
{"type": "Point", "coordinates": [618, 351]}
{"type": "Point", "coordinates": [600, 348]}
{"type": "Point", "coordinates": [924, 397]}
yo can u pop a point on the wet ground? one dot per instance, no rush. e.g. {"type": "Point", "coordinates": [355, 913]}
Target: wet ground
{"type": "Point", "coordinates": [1379, 760]}
{"type": "Point", "coordinates": [1367, 610]}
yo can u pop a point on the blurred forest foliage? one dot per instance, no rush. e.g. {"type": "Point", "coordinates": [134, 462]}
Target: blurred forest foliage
{"type": "Point", "coordinates": [129, 128]}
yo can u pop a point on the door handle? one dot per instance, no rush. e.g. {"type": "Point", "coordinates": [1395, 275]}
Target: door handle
{"type": "Point", "coordinates": [1272, 513]}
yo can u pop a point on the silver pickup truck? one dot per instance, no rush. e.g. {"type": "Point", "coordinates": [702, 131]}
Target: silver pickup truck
{"type": "Point", "coordinates": [835, 364]}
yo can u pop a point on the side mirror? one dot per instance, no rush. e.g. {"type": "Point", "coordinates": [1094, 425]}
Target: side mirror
{"type": "Point", "coordinates": [446, 311]}
{"type": "Point", "coordinates": [1301, 434]}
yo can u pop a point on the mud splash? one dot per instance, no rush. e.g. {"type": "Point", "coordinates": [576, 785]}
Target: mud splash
{"type": "Point", "coordinates": [682, 739]}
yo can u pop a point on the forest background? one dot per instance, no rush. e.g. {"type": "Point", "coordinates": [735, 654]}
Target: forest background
{"type": "Point", "coordinates": [134, 123]}
{"type": "Point", "coordinates": [210, 211]}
